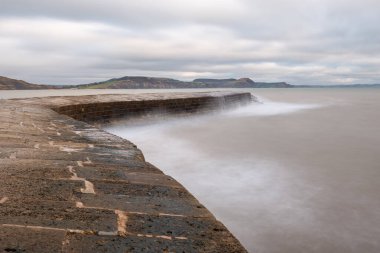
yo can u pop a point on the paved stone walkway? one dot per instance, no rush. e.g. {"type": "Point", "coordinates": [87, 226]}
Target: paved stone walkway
{"type": "Point", "coordinates": [67, 186]}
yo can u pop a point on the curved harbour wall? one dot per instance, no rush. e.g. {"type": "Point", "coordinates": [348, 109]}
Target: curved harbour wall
{"type": "Point", "coordinates": [102, 111]}
{"type": "Point", "coordinates": [70, 187]}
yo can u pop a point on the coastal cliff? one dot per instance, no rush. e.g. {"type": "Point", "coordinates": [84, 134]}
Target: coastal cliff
{"type": "Point", "coordinates": [142, 82]}
{"type": "Point", "coordinates": [13, 84]}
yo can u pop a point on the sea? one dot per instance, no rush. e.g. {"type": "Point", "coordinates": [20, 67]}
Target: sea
{"type": "Point", "coordinates": [297, 171]}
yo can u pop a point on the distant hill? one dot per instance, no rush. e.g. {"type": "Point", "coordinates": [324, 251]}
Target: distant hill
{"type": "Point", "coordinates": [239, 83]}
{"type": "Point", "coordinates": [13, 84]}
{"type": "Point", "coordinates": [140, 82]}
{"type": "Point", "coordinates": [137, 82]}
{"type": "Point", "coordinates": [225, 83]}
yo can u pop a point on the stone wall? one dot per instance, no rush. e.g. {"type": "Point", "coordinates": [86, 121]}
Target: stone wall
{"type": "Point", "coordinates": [105, 111]}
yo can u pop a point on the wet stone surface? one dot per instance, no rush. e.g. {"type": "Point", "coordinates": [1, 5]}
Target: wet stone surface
{"type": "Point", "coordinates": [67, 186]}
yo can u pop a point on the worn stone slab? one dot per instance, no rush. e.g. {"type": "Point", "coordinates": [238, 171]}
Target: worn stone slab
{"type": "Point", "coordinates": [22, 239]}
{"type": "Point", "coordinates": [146, 204]}
{"type": "Point", "coordinates": [57, 214]}
{"type": "Point", "coordinates": [39, 188]}
{"type": "Point", "coordinates": [140, 243]}
{"type": "Point", "coordinates": [67, 186]}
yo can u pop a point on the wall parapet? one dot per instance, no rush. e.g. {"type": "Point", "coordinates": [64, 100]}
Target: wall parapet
{"type": "Point", "coordinates": [101, 112]}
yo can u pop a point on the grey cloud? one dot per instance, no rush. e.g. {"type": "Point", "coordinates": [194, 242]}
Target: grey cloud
{"type": "Point", "coordinates": [142, 13]}
{"type": "Point", "coordinates": [301, 42]}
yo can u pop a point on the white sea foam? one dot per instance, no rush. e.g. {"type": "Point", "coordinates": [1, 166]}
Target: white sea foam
{"type": "Point", "coordinates": [266, 107]}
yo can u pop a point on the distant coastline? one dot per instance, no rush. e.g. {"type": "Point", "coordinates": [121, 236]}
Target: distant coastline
{"type": "Point", "coordinates": [142, 82]}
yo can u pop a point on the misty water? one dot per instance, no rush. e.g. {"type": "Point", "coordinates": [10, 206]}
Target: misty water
{"type": "Point", "coordinates": [299, 172]}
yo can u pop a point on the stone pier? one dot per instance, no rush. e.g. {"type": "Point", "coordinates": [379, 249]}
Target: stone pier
{"type": "Point", "coordinates": [67, 186]}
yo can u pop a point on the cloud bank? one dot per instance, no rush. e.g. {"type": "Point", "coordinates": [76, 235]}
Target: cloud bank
{"type": "Point", "coordinates": [301, 42]}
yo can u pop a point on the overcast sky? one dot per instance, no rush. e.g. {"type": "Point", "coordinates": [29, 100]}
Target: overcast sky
{"type": "Point", "coordinates": [297, 41]}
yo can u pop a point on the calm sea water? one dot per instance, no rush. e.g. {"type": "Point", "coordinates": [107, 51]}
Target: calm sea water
{"type": "Point", "coordinates": [299, 172]}
{"type": "Point", "coordinates": [5, 94]}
